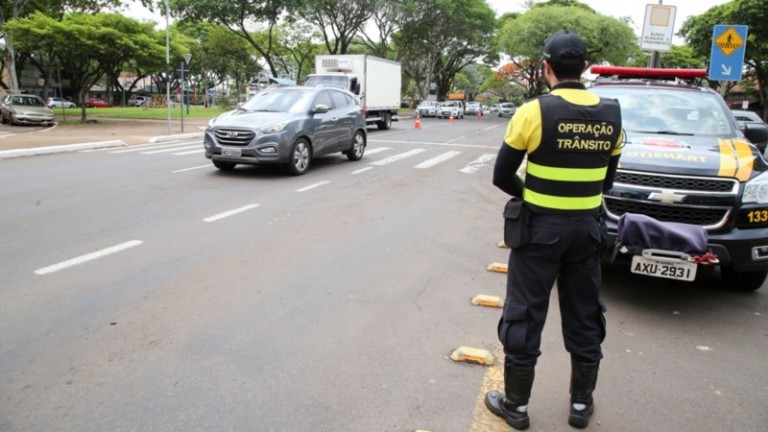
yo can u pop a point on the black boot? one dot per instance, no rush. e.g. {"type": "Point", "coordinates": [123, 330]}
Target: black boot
{"type": "Point", "coordinates": [583, 382]}
{"type": "Point", "coordinates": [518, 382]}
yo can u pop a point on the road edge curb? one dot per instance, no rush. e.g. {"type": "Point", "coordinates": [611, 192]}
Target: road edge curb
{"type": "Point", "coordinates": [37, 151]}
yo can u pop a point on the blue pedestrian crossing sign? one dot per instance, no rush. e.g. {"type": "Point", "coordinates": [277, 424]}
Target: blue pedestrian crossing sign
{"type": "Point", "coordinates": [729, 42]}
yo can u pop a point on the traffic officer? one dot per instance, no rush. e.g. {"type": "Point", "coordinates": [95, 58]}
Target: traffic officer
{"type": "Point", "coordinates": [572, 139]}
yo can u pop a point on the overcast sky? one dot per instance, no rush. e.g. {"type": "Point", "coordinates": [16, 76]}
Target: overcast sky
{"type": "Point", "coordinates": [635, 9]}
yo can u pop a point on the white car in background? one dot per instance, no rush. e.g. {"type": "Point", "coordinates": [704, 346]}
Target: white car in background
{"type": "Point", "coordinates": [427, 108]}
{"type": "Point", "coordinates": [451, 108]}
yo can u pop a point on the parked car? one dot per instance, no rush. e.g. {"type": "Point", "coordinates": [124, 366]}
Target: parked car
{"type": "Point", "coordinates": [750, 120]}
{"type": "Point", "coordinates": [139, 100]}
{"type": "Point", "coordinates": [96, 103]}
{"type": "Point", "coordinates": [473, 108]}
{"type": "Point", "coordinates": [57, 102]}
{"type": "Point", "coordinates": [427, 108]}
{"type": "Point", "coordinates": [685, 160]}
{"type": "Point", "coordinates": [290, 126]}
{"type": "Point", "coordinates": [507, 109]}
{"type": "Point", "coordinates": [25, 109]}
{"type": "Point", "coordinates": [451, 108]}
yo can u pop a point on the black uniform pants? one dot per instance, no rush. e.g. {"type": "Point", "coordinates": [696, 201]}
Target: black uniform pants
{"type": "Point", "coordinates": [565, 249]}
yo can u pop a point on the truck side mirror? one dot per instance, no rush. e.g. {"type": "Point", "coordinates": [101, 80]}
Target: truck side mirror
{"type": "Point", "coordinates": [356, 90]}
{"type": "Point", "coordinates": [756, 134]}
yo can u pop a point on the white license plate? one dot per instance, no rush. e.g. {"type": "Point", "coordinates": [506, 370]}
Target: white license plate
{"type": "Point", "coordinates": [685, 271]}
{"type": "Point", "coordinates": [231, 152]}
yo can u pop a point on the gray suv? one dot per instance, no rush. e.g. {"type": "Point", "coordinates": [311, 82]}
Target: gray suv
{"type": "Point", "coordinates": [288, 126]}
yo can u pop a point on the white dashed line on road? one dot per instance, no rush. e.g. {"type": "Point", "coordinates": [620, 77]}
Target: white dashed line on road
{"type": "Point", "coordinates": [88, 257]}
{"type": "Point", "coordinates": [304, 189]}
{"type": "Point", "coordinates": [219, 216]}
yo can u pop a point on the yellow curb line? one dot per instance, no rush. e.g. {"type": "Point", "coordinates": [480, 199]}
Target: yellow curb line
{"type": "Point", "coordinates": [472, 355]}
{"type": "Point", "coordinates": [488, 300]}
{"type": "Point", "coordinates": [498, 268]}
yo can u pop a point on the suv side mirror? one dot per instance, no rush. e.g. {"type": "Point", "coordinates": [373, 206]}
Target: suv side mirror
{"type": "Point", "coordinates": [321, 109]}
{"type": "Point", "coordinates": [756, 134]}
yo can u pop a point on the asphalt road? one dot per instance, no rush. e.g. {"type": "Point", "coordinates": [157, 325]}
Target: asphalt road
{"type": "Point", "coordinates": [145, 290]}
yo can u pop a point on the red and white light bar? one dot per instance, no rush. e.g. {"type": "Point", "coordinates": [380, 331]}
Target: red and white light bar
{"type": "Point", "coordinates": [637, 72]}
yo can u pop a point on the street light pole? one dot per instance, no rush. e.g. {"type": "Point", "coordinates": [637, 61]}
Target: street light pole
{"type": "Point", "coordinates": [168, 63]}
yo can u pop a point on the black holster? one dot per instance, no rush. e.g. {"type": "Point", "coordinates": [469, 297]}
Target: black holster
{"type": "Point", "coordinates": [516, 223]}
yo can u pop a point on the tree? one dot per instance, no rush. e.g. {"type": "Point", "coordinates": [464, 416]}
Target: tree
{"type": "Point", "coordinates": [12, 9]}
{"type": "Point", "coordinates": [87, 46]}
{"type": "Point", "coordinates": [438, 38]}
{"type": "Point", "coordinates": [241, 18]}
{"type": "Point", "coordinates": [697, 31]}
{"type": "Point", "coordinates": [607, 39]}
{"type": "Point", "coordinates": [343, 19]}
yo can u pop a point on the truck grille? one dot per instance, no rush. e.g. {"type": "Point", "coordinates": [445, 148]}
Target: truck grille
{"type": "Point", "coordinates": [706, 217]}
{"type": "Point", "coordinates": [698, 184]}
{"type": "Point", "coordinates": [234, 137]}
{"type": "Point", "coordinates": [708, 200]}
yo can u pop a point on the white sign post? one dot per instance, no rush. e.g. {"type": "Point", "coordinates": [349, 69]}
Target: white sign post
{"type": "Point", "coordinates": [658, 27]}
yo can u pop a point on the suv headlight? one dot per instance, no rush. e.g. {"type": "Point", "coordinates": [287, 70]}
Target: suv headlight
{"type": "Point", "coordinates": [756, 190]}
{"type": "Point", "coordinates": [275, 127]}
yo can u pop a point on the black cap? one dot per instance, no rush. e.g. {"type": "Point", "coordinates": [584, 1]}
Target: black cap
{"type": "Point", "coordinates": [565, 47]}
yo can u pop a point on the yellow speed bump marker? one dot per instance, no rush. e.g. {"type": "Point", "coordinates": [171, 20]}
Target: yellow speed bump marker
{"type": "Point", "coordinates": [487, 300]}
{"type": "Point", "coordinates": [497, 267]}
{"type": "Point", "coordinates": [472, 355]}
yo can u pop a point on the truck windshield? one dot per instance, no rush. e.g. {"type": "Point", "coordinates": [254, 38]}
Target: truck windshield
{"type": "Point", "coordinates": [327, 81]}
{"type": "Point", "coordinates": [670, 111]}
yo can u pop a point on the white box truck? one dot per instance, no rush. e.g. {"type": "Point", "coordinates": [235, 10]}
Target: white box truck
{"type": "Point", "coordinates": [376, 81]}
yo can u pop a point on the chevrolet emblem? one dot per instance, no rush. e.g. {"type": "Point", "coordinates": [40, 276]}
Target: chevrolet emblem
{"type": "Point", "coordinates": [667, 197]}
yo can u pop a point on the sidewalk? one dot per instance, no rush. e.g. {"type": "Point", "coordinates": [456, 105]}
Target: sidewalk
{"type": "Point", "coordinates": [17, 141]}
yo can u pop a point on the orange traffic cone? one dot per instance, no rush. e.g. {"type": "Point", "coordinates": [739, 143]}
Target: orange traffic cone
{"type": "Point", "coordinates": [450, 119]}
{"type": "Point", "coordinates": [417, 123]}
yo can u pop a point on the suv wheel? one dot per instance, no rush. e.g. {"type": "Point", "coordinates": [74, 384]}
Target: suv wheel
{"type": "Point", "coordinates": [743, 281]}
{"type": "Point", "coordinates": [224, 166]}
{"type": "Point", "coordinates": [358, 147]}
{"type": "Point", "coordinates": [301, 156]}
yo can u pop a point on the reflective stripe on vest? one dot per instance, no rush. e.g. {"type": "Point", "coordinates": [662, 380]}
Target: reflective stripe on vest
{"type": "Point", "coordinates": [565, 173]}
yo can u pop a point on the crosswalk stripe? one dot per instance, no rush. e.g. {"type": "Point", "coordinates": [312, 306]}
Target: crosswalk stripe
{"type": "Point", "coordinates": [397, 157]}
{"type": "Point", "coordinates": [478, 163]}
{"type": "Point", "coordinates": [135, 149]}
{"type": "Point", "coordinates": [439, 159]}
{"type": "Point", "coordinates": [171, 150]}
{"type": "Point", "coordinates": [189, 152]}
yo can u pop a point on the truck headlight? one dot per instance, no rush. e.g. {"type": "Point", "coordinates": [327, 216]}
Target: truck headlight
{"type": "Point", "coordinates": [275, 127]}
{"type": "Point", "coordinates": [756, 190]}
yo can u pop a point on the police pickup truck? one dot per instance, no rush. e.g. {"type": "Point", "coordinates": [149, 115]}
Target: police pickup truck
{"type": "Point", "coordinates": [687, 161]}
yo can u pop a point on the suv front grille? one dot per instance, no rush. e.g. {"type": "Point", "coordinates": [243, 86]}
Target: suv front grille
{"type": "Point", "coordinates": [708, 201]}
{"type": "Point", "coordinates": [234, 137]}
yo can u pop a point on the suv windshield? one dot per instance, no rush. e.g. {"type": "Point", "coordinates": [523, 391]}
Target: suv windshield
{"type": "Point", "coordinates": [669, 111]}
{"type": "Point", "coordinates": [279, 100]}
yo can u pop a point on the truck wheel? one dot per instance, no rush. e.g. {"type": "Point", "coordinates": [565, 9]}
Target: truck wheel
{"type": "Point", "coordinates": [224, 166]}
{"type": "Point", "coordinates": [355, 153]}
{"type": "Point", "coordinates": [385, 123]}
{"type": "Point", "coordinates": [743, 281]}
{"type": "Point", "coordinates": [300, 157]}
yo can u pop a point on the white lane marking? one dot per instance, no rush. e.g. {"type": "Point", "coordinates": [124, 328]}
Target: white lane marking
{"type": "Point", "coordinates": [214, 218]}
{"type": "Point", "coordinates": [188, 152]}
{"type": "Point", "coordinates": [376, 150]}
{"type": "Point", "coordinates": [435, 144]}
{"type": "Point", "coordinates": [455, 139]}
{"type": "Point", "coordinates": [478, 163]}
{"type": "Point", "coordinates": [362, 170]}
{"type": "Point", "coordinates": [190, 169]}
{"type": "Point", "coordinates": [439, 159]}
{"type": "Point", "coordinates": [398, 157]}
{"type": "Point", "coordinates": [171, 150]}
{"type": "Point", "coordinates": [304, 189]}
{"type": "Point", "coordinates": [88, 257]}
{"type": "Point", "coordinates": [143, 147]}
